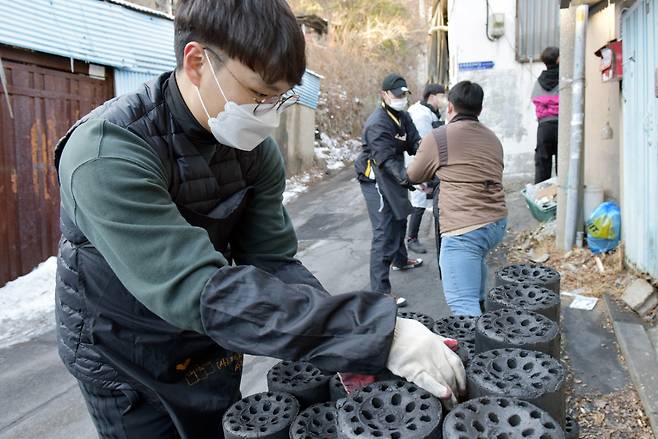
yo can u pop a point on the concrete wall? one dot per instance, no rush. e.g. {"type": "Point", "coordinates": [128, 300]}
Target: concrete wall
{"type": "Point", "coordinates": [296, 137]}
{"type": "Point", "coordinates": [602, 109]}
{"type": "Point", "coordinates": [508, 110]}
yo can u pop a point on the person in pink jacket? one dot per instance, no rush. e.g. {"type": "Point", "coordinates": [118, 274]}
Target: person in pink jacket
{"type": "Point", "coordinates": [546, 97]}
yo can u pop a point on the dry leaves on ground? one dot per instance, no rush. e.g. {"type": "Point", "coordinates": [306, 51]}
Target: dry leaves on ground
{"type": "Point", "coordinates": [579, 268]}
{"type": "Point", "coordinates": [616, 415]}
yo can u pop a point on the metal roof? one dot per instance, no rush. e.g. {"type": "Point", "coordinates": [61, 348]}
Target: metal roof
{"type": "Point", "coordinates": [95, 31]}
{"type": "Point", "coordinates": [138, 43]}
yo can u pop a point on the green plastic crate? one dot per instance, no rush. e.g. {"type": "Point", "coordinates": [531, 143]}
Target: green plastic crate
{"type": "Point", "coordinates": [541, 212]}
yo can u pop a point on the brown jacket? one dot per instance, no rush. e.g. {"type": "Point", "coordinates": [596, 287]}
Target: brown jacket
{"type": "Point", "coordinates": [468, 159]}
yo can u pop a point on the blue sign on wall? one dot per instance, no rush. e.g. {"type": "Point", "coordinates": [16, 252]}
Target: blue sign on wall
{"type": "Point", "coordinates": [477, 65]}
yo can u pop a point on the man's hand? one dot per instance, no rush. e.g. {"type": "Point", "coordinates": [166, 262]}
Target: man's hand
{"type": "Point", "coordinates": [409, 186]}
{"type": "Point", "coordinates": [425, 359]}
{"type": "Point", "coordinates": [398, 173]}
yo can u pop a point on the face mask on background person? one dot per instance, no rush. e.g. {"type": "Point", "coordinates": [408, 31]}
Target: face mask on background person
{"type": "Point", "coordinates": [398, 104]}
{"type": "Point", "coordinates": [237, 126]}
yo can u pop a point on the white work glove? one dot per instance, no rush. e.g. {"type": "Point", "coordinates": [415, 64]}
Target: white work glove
{"type": "Point", "coordinates": [424, 359]}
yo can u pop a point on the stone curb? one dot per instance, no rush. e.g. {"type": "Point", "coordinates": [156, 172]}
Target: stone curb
{"type": "Point", "coordinates": [640, 357]}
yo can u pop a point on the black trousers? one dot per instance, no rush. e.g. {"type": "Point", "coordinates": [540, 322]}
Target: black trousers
{"type": "Point", "coordinates": [388, 234]}
{"type": "Point", "coordinates": [547, 135]}
{"type": "Point", "coordinates": [127, 415]}
{"type": "Point", "coordinates": [415, 219]}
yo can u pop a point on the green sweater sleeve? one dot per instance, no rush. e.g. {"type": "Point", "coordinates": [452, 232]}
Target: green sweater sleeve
{"type": "Point", "coordinates": [265, 237]}
{"type": "Point", "coordinates": [114, 186]}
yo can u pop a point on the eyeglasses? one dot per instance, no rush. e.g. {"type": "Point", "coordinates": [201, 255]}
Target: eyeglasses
{"type": "Point", "coordinates": [264, 105]}
{"type": "Point", "coordinates": [276, 103]}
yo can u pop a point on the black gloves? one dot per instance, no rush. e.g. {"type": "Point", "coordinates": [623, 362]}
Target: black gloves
{"type": "Point", "coordinates": [399, 174]}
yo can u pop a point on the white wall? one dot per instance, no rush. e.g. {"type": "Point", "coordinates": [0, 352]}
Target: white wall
{"type": "Point", "coordinates": [508, 110]}
{"type": "Point", "coordinates": [296, 139]}
{"type": "Point", "coordinates": [602, 106]}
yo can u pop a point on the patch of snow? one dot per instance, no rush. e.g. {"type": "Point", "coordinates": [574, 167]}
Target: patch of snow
{"type": "Point", "coordinates": [299, 184]}
{"type": "Point", "coordinates": [336, 153]}
{"type": "Point", "coordinates": [27, 304]}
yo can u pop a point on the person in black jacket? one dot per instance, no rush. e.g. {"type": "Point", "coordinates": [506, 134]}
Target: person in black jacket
{"type": "Point", "coordinates": [387, 134]}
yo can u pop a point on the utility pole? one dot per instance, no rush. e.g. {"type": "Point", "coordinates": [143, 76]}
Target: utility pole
{"type": "Point", "coordinates": [577, 124]}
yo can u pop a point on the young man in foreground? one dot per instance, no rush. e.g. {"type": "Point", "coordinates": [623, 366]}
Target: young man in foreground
{"type": "Point", "coordinates": [177, 254]}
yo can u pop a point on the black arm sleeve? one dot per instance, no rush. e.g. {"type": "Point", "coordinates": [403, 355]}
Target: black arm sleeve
{"type": "Point", "coordinates": [413, 137]}
{"type": "Point", "coordinates": [296, 273]}
{"type": "Point", "coordinates": [397, 171]}
{"type": "Point", "coordinates": [381, 142]}
{"type": "Point", "coordinates": [247, 310]}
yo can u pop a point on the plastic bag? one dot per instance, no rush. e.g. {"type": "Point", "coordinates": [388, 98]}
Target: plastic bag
{"type": "Point", "coordinates": [604, 228]}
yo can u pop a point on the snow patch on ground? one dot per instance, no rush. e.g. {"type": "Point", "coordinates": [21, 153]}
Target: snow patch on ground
{"type": "Point", "coordinates": [27, 305]}
{"type": "Point", "coordinates": [299, 184]}
{"type": "Point", "coordinates": [336, 152]}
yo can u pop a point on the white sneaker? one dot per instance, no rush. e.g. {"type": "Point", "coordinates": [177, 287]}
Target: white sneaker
{"type": "Point", "coordinates": [401, 302]}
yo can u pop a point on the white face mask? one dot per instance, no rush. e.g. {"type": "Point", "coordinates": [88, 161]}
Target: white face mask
{"type": "Point", "coordinates": [399, 104]}
{"type": "Point", "coordinates": [237, 126]}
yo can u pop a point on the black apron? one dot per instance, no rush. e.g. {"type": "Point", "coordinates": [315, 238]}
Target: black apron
{"type": "Point", "coordinates": [188, 373]}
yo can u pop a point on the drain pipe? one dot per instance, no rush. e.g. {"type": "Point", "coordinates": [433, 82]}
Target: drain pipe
{"type": "Point", "coordinates": [577, 125]}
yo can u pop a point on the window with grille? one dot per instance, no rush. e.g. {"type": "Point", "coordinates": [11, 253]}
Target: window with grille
{"type": "Point", "coordinates": [537, 27]}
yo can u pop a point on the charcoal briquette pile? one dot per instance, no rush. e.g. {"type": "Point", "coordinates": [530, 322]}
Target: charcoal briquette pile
{"type": "Point", "coordinates": [500, 417]}
{"type": "Point", "coordinates": [422, 318]}
{"type": "Point", "coordinates": [513, 328]}
{"type": "Point", "coordinates": [534, 377]}
{"type": "Point", "coordinates": [304, 381]}
{"type": "Point", "coordinates": [460, 328]}
{"type": "Point", "coordinates": [525, 297]}
{"type": "Point", "coordinates": [316, 422]}
{"type": "Point", "coordinates": [533, 274]}
{"type": "Point", "coordinates": [263, 415]}
{"type": "Point", "coordinates": [515, 381]}
{"type": "Point", "coordinates": [390, 409]}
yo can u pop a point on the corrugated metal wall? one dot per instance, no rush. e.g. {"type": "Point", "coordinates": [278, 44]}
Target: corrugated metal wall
{"type": "Point", "coordinates": [309, 90]}
{"type": "Point", "coordinates": [45, 104]}
{"type": "Point", "coordinates": [640, 152]}
{"type": "Point", "coordinates": [92, 31]}
{"type": "Point", "coordinates": [126, 81]}
{"type": "Point", "coordinates": [537, 27]}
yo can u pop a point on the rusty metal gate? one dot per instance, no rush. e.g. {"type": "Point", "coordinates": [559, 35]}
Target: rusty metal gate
{"type": "Point", "coordinates": [45, 99]}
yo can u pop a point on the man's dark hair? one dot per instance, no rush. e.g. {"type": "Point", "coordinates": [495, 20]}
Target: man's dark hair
{"type": "Point", "coordinates": [467, 98]}
{"type": "Point", "coordinates": [550, 55]}
{"type": "Point", "coordinates": [263, 35]}
{"type": "Point", "coordinates": [433, 89]}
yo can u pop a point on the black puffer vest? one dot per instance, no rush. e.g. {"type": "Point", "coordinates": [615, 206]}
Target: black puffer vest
{"type": "Point", "coordinates": [105, 336]}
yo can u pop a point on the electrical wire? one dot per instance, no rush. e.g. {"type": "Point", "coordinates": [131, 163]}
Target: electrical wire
{"type": "Point", "coordinates": [486, 29]}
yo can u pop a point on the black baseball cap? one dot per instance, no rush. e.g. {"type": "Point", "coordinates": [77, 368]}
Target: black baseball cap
{"type": "Point", "coordinates": [396, 84]}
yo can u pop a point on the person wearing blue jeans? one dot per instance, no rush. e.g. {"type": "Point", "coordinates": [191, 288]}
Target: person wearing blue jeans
{"type": "Point", "coordinates": [467, 157]}
{"type": "Point", "coordinates": [464, 266]}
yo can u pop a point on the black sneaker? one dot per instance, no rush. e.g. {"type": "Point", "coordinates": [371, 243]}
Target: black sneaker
{"type": "Point", "coordinates": [411, 263]}
{"type": "Point", "coordinates": [415, 246]}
